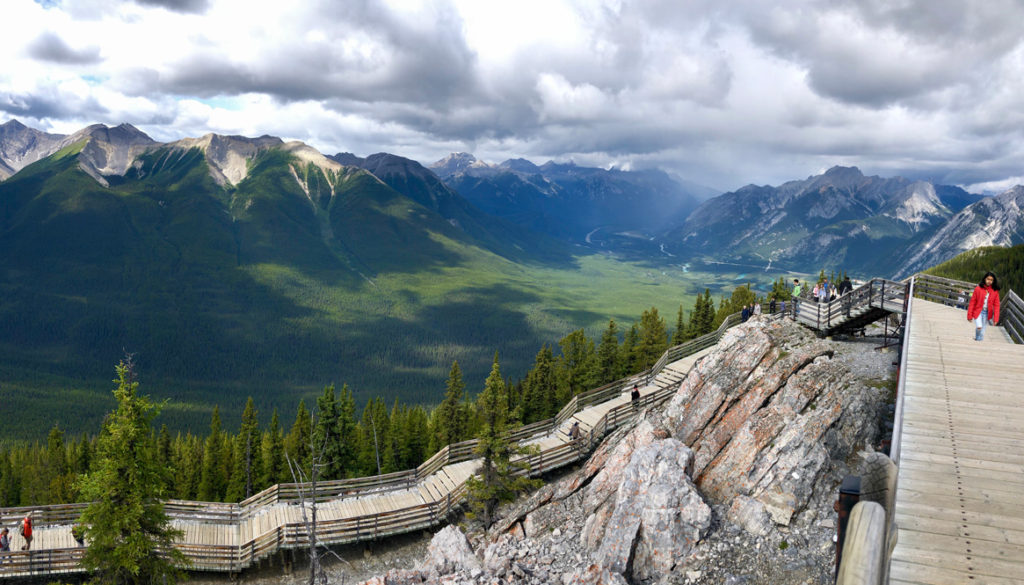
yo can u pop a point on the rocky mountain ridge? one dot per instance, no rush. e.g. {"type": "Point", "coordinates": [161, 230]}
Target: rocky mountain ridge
{"type": "Point", "coordinates": [21, 146]}
{"type": "Point", "coordinates": [732, 481]}
{"type": "Point", "coordinates": [864, 224]}
{"type": "Point", "coordinates": [993, 221]}
{"type": "Point", "coordinates": [840, 217]}
{"type": "Point", "coordinates": [567, 201]}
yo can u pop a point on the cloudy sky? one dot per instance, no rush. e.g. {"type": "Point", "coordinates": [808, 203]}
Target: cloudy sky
{"type": "Point", "coordinates": [721, 93]}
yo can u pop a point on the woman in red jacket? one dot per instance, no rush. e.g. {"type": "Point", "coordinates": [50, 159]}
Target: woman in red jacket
{"type": "Point", "coordinates": [984, 305]}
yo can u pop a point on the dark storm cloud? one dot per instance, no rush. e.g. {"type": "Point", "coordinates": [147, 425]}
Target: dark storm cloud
{"type": "Point", "coordinates": [185, 6]}
{"type": "Point", "coordinates": [50, 47]}
{"type": "Point", "coordinates": [50, 104]}
{"type": "Point", "coordinates": [425, 65]}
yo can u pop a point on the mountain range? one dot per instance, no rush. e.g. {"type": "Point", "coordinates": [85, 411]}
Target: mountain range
{"type": "Point", "coordinates": [866, 225]}
{"type": "Point", "coordinates": [233, 265]}
{"type": "Point", "coordinates": [566, 201]}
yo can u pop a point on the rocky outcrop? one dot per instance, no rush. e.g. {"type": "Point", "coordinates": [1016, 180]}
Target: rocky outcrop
{"type": "Point", "coordinates": [731, 481]}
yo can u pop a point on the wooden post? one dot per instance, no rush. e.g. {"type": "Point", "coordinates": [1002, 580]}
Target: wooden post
{"type": "Point", "coordinates": [849, 495]}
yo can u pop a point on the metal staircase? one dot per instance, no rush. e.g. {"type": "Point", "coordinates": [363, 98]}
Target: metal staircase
{"type": "Point", "coordinates": [853, 311]}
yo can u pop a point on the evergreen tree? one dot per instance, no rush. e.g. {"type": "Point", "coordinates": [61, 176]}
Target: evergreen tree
{"type": "Point", "coordinates": [704, 318]}
{"type": "Point", "coordinates": [58, 472]}
{"type": "Point", "coordinates": [683, 332]}
{"type": "Point", "coordinates": [165, 456]}
{"type": "Point", "coordinates": [653, 339]}
{"type": "Point", "coordinates": [213, 481]}
{"type": "Point", "coordinates": [577, 367]}
{"type": "Point", "coordinates": [248, 457]}
{"type": "Point", "coordinates": [10, 486]}
{"type": "Point", "coordinates": [296, 444]}
{"type": "Point", "coordinates": [373, 437]}
{"type": "Point", "coordinates": [540, 388]}
{"type": "Point", "coordinates": [274, 470]}
{"type": "Point", "coordinates": [608, 354]}
{"type": "Point", "coordinates": [416, 437]}
{"type": "Point", "coordinates": [346, 432]}
{"type": "Point", "coordinates": [628, 352]}
{"type": "Point", "coordinates": [83, 456]}
{"type": "Point", "coordinates": [130, 537]}
{"type": "Point", "coordinates": [497, 481]}
{"type": "Point", "coordinates": [451, 416]}
{"type": "Point", "coordinates": [325, 435]}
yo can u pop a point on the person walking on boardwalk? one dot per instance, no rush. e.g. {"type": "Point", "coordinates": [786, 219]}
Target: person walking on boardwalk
{"type": "Point", "coordinates": [5, 542]}
{"type": "Point", "coordinates": [634, 398]}
{"type": "Point", "coordinates": [26, 531]}
{"type": "Point", "coordinates": [984, 306]}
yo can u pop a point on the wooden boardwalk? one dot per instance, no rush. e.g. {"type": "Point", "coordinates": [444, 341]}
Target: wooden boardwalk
{"type": "Point", "coordinates": [961, 454]}
{"type": "Point", "coordinates": [230, 537]}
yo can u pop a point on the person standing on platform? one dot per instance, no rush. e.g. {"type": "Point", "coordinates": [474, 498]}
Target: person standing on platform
{"type": "Point", "coordinates": [984, 306]}
{"type": "Point", "coordinates": [26, 531]}
{"type": "Point", "coordinates": [5, 542]}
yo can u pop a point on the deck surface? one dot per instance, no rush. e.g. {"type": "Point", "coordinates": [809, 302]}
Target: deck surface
{"type": "Point", "coordinates": [961, 468]}
{"type": "Point", "coordinates": [232, 538]}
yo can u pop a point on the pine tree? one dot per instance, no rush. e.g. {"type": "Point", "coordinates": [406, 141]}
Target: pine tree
{"type": "Point", "coordinates": [373, 437]}
{"type": "Point", "coordinates": [653, 339]}
{"type": "Point", "coordinates": [296, 444]}
{"type": "Point", "coordinates": [248, 457]}
{"type": "Point", "coordinates": [10, 486]}
{"type": "Point", "coordinates": [83, 456]}
{"type": "Point", "coordinates": [540, 388]}
{"type": "Point", "coordinates": [451, 417]}
{"type": "Point", "coordinates": [628, 352]}
{"type": "Point", "coordinates": [498, 481]}
{"type": "Point", "coordinates": [706, 318]}
{"type": "Point", "coordinates": [608, 354]}
{"type": "Point", "coordinates": [165, 456]}
{"type": "Point", "coordinates": [58, 472]}
{"type": "Point", "coordinates": [213, 481]}
{"type": "Point", "coordinates": [346, 432]}
{"type": "Point", "coordinates": [325, 434]}
{"type": "Point", "coordinates": [682, 332]}
{"type": "Point", "coordinates": [274, 470]}
{"type": "Point", "coordinates": [130, 537]}
{"type": "Point", "coordinates": [416, 433]}
{"type": "Point", "coordinates": [577, 367]}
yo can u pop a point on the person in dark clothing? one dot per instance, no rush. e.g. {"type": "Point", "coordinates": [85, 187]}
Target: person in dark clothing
{"type": "Point", "coordinates": [771, 306]}
{"type": "Point", "coordinates": [845, 287]}
{"type": "Point", "coordinates": [745, 314]}
{"type": "Point", "coordinates": [634, 398]}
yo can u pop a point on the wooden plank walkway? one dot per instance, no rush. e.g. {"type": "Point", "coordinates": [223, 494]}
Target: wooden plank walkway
{"type": "Point", "coordinates": [222, 544]}
{"type": "Point", "coordinates": [961, 468]}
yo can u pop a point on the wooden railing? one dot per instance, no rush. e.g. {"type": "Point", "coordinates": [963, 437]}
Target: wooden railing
{"type": "Point", "coordinates": [352, 529]}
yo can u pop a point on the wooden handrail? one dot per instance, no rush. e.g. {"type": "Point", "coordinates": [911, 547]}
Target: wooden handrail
{"type": "Point", "coordinates": [352, 529]}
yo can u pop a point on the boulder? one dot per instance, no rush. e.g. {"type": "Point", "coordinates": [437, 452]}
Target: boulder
{"type": "Point", "coordinates": [656, 516]}
{"type": "Point", "coordinates": [449, 552]}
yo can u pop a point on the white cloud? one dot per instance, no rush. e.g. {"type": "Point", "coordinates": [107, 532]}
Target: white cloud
{"type": "Point", "coordinates": [722, 93]}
